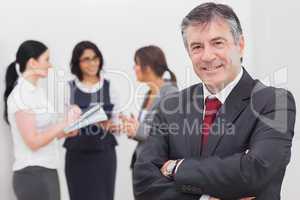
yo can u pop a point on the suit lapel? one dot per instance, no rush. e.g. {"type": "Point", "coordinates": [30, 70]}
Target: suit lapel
{"type": "Point", "coordinates": [235, 103]}
{"type": "Point", "coordinates": [194, 118]}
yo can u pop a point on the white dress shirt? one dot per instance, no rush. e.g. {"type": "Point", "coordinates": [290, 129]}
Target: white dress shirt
{"type": "Point", "coordinates": [28, 97]}
{"type": "Point", "coordinates": [224, 93]}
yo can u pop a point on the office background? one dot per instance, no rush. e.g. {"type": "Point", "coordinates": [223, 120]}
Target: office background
{"type": "Point", "coordinates": [119, 27]}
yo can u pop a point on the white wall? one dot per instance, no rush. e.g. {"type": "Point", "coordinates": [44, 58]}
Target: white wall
{"type": "Point", "coordinates": [276, 41]}
{"type": "Point", "coordinates": [118, 27]}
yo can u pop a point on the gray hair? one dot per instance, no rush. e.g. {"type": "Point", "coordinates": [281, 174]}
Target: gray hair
{"type": "Point", "coordinates": [206, 13]}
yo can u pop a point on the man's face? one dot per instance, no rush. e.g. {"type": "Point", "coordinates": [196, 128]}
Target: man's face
{"type": "Point", "coordinates": [214, 53]}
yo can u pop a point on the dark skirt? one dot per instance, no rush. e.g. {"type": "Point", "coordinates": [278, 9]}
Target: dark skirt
{"type": "Point", "coordinates": [36, 183]}
{"type": "Point", "coordinates": [91, 175]}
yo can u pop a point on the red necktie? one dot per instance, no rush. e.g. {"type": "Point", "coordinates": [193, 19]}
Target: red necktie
{"type": "Point", "coordinates": [212, 106]}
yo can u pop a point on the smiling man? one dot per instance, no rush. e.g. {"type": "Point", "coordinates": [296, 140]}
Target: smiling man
{"type": "Point", "coordinates": [228, 137]}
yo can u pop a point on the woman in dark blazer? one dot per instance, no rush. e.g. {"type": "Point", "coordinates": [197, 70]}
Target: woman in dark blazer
{"type": "Point", "coordinates": [150, 68]}
{"type": "Point", "coordinates": [91, 156]}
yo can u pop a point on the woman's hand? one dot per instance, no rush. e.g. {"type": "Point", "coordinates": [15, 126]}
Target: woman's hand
{"type": "Point", "coordinates": [129, 125]}
{"type": "Point", "coordinates": [108, 125]}
{"type": "Point", "coordinates": [73, 114]}
{"type": "Point", "coordinates": [68, 135]}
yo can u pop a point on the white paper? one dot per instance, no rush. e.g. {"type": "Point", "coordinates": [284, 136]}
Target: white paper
{"type": "Point", "coordinates": [93, 115]}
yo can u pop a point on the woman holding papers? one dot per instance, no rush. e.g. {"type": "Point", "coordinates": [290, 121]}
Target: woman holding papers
{"type": "Point", "coordinates": [91, 157]}
{"type": "Point", "coordinates": [150, 68]}
{"type": "Point", "coordinates": [28, 113]}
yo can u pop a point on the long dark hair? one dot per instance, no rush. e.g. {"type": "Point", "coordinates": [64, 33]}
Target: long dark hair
{"type": "Point", "coordinates": [77, 53]}
{"type": "Point", "coordinates": [153, 57]}
{"type": "Point", "coordinates": [28, 49]}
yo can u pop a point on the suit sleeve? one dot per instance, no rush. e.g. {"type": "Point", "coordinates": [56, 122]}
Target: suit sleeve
{"type": "Point", "coordinates": [246, 174]}
{"type": "Point", "coordinates": [148, 181]}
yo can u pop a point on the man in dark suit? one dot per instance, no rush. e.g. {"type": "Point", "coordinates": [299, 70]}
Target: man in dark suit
{"type": "Point", "coordinates": [227, 138]}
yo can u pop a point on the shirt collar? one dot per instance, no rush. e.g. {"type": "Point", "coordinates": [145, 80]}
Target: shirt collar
{"type": "Point", "coordinates": [94, 88]}
{"type": "Point", "coordinates": [25, 84]}
{"type": "Point", "coordinates": [223, 94]}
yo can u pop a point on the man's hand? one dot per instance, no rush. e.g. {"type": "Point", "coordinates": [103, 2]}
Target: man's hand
{"type": "Point", "coordinates": [163, 169]}
{"type": "Point", "coordinates": [164, 172]}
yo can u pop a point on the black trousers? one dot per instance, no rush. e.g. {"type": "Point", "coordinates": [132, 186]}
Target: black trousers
{"type": "Point", "coordinates": [91, 175]}
{"type": "Point", "coordinates": [36, 183]}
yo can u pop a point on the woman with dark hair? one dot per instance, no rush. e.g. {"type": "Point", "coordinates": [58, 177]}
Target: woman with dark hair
{"type": "Point", "coordinates": [150, 68]}
{"type": "Point", "coordinates": [91, 156]}
{"type": "Point", "coordinates": [32, 125]}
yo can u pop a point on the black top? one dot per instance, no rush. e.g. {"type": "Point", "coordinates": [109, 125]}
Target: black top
{"type": "Point", "coordinates": [92, 137]}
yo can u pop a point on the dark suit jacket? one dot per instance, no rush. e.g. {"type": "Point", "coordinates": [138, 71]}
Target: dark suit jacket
{"type": "Point", "coordinates": [247, 153]}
